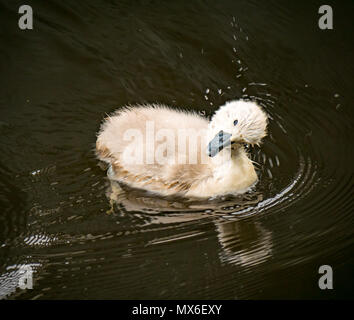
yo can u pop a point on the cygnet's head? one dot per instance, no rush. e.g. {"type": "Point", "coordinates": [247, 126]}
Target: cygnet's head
{"type": "Point", "coordinates": [237, 122]}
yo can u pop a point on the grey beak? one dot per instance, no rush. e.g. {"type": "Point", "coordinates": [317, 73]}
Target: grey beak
{"type": "Point", "coordinates": [219, 142]}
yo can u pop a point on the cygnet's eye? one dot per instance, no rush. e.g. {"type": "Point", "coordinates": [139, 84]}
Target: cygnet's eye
{"type": "Point", "coordinates": [235, 122]}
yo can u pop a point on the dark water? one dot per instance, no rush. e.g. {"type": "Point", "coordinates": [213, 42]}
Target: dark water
{"type": "Point", "coordinates": [84, 59]}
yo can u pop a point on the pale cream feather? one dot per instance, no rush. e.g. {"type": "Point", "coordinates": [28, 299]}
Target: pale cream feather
{"type": "Point", "coordinates": [206, 177]}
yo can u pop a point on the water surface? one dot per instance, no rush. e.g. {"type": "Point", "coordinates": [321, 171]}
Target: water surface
{"type": "Point", "coordinates": [86, 59]}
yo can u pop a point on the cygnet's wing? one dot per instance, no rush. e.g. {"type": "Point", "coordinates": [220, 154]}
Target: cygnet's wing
{"type": "Point", "coordinates": [144, 146]}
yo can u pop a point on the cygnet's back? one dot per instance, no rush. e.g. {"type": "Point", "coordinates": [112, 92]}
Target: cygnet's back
{"type": "Point", "coordinates": [144, 147]}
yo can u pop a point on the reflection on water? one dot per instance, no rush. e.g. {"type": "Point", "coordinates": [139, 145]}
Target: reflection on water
{"type": "Point", "coordinates": [85, 238]}
{"type": "Point", "coordinates": [241, 243]}
{"type": "Point", "coordinates": [247, 245]}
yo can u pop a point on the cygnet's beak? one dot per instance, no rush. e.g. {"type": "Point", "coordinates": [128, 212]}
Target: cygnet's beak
{"type": "Point", "coordinates": [219, 142]}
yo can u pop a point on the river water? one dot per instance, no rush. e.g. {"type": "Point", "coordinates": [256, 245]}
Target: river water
{"type": "Point", "coordinates": [85, 59]}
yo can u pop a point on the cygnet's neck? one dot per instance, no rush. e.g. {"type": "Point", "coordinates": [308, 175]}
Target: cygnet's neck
{"type": "Point", "coordinates": [233, 170]}
{"type": "Point", "coordinates": [228, 158]}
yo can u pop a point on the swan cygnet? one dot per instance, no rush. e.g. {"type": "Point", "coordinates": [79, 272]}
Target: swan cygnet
{"type": "Point", "coordinates": [173, 152]}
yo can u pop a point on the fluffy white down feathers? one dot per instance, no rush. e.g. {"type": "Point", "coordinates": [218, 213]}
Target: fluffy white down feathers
{"type": "Point", "coordinates": [154, 132]}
